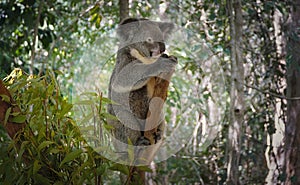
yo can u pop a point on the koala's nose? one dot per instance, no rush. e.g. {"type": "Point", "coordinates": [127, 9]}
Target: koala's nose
{"type": "Point", "coordinates": [162, 47]}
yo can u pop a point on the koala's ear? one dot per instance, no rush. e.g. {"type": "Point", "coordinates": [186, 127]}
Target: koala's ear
{"type": "Point", "coordinates": [127, 27]}
{"type": "Point", "coordinates": [166, 28]}
{"type": "Point", "coordinates": [128, 20]}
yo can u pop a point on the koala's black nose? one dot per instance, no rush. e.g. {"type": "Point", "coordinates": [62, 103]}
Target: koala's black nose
{"type": "Point", "coordinates": [162, 47]}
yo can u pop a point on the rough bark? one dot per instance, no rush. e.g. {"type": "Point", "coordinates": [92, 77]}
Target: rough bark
{"type": "Point", "coordinates": [292, 129]}
{"type": "Point", "coordinates": [124, 9]}
{"type": "Point", "coordinates": [237, 92]}
{"type": "Point", "coordinates": [275, 150]}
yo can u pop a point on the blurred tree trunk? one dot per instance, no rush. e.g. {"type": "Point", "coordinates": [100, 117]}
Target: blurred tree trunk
{"type": "Point", "coordinates": [124, 9]}
{"type": "Point", "coordinates": [236, 93]}
{"type": "Point", "coordinates": [292, 129]}
{"type": "Point", "coordinates": [275, 149]}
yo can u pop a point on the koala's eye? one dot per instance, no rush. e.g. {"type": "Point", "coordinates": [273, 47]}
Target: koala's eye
{"type": "Point", "coordinates": [149, 40]}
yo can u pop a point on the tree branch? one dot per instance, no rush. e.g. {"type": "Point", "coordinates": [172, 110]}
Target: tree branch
{"type": "Point", "coordinates": [272, 94]}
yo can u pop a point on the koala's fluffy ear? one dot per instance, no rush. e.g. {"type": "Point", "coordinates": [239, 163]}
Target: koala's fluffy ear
{"type": "Point", "coordinates": [126, 30]}
{"type": "Point", "coordinates": [129, 20]}
{"type": "Point", "coordinates": [166, 28]}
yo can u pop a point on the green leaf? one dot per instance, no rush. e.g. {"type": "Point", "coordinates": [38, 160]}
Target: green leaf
{"type": "Point", "coordinates": [108, 127]}
{"type": "Point", "coordinates": [44, 144]}
{"type": "Point", "coordinates": [7, 113]}
{"type": "Point", "coordinates": [71, 156]}
{"type": "Point", "coordinates": [119, 167]}
{"type": "Point", "coordinates": [87, 118]}
{"type": "Point", "coordinates": [145, 169]}
{"type": "Point", "coordinates": [66, 108]}
{"type": "Point", "coordinates": [5, 98]}
{"type": "Point", "coordinates": [41, 179]}
{"type": "Point", "coordinates": [18, 119]}
{"type": "Point", "coordinates": [94, 17]}
{"type": "Point", "coordinates": [107, 100]}
{"type": "Point", "coordinates": [89, 94]}
{"type": "Point", "coordinates": [54, 151]}
{"type": "Point", "coordinates": [85, 102]}
{"type": "Point", "coordinates": [98, 21]}
{"type": "Point", "coordinates": [36, 167]}
{"type": "Point", "coordinates": [22, 150]}
{"type": "Point", "coordinates": [130, 150]}
{"type": "Point", "coordinates": [108, 116]}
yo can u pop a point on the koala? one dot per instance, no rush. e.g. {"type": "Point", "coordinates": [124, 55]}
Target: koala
{"type": "Point", "coordinates": [139, 83]}
{"type": "Point", "coordinates": [136, 54]}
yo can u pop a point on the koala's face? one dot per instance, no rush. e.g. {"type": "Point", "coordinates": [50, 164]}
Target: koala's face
{"type": "Point", "coordinates": [146, 36]}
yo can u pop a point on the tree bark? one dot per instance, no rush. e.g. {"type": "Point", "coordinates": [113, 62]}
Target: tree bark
{"type": "Point", "coordinates": [236, 93]}
{"type": "Point", "coordinates": [124, 9]}
{"type": "Point", "coordinates": [275, 145]}
{"type": "Point", "coordinates": [292, 129]}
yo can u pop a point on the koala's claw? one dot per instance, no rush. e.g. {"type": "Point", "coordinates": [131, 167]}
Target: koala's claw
{"type": "Point", "coordinates": [173, 58]}
{"type": "Point", "coordinates": [157, 135]}
{"type": "Point", "coordinates": [164, 55]}
{"type": "Point", "coordinates": [142, 141]}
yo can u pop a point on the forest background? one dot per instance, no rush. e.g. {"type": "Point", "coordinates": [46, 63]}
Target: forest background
{"type": "Point", "coordinates": [232, 107]}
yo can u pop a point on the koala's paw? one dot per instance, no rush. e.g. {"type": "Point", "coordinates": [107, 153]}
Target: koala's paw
{"type": "Point", "coordinates": [164, 55]}
{"type": "Point", "coordinates": [173, 58]}
{"type": "Point", "coordinates": [142, 141]}
{"type": "Point", "coordinates": [157, 135]}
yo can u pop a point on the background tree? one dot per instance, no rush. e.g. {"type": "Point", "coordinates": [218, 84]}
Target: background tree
{"type": "Point", "coordinates": [292, 131]}
{"type": "Point", "coordinates": [236, 126]}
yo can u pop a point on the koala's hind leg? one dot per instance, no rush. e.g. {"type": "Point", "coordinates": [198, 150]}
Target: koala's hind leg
{"type": "Point", "coordinates": [154, 126]}
{"type": "Point", "coordinates": [143, 141]}
{"type": "Point", "coordinates": [136, 54]}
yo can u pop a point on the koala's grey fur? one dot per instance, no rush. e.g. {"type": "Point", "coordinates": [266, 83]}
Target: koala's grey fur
{"type": "Point", "coordinates": [128, 83]}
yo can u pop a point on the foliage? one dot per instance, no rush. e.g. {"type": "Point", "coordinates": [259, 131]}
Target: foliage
{"type": "Point", "coordinates": [51, 149]}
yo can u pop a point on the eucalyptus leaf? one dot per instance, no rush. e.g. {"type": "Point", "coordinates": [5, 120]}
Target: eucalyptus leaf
{"type": "Point", "coordinates": [71, 156]}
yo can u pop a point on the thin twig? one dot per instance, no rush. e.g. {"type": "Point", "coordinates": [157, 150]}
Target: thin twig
{"type": "Point", "coordinates": [272, 94]}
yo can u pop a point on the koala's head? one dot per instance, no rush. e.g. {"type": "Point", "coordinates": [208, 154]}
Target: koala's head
{"type": "Point", "coordinates": [146, 36]}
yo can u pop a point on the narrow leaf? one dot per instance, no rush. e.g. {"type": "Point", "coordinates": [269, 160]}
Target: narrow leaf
{"type": "Point", "coordinates": [65, 109]}
{"type": "Point", "coordinates": [87, 118]}
{"type": "Point", "coordinates": [71, 156]}
{"type": "Point", "coordinates": [119, 167]}
{"type": "Point", "coordinates": [5, 98]}
{"type": "Point", "coordinates": [44, 144]}
{"type": "Point", "coordinates": [85, 102]}
{"type": "Point", "coordinates": [7, 115]}
{"type": "Point", "coordinates": [36, 167]}
{"type": "Point", "coordinates": [130, 150]}
{"type": "Point", "coordinates": [145, 169]}
{"type": "Point", "coordinates": [18, 119]}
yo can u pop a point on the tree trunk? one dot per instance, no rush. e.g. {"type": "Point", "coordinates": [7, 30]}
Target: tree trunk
{"type": "Point", "coordinates": [292, 129]}
{"type": "Point", "coordinates": [124, 9]}
{"type": "Point", "coordinates": [237, 92]}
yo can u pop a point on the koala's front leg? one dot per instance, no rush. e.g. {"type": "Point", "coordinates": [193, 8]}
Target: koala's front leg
{"type": "Point", "coordinates": [136, 54]}
{"type": "Point", "coordinates": [135, 75]}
